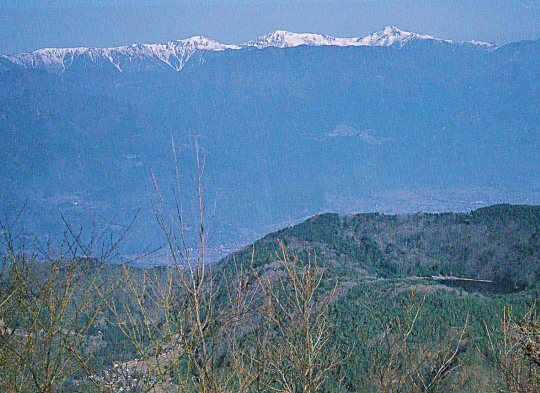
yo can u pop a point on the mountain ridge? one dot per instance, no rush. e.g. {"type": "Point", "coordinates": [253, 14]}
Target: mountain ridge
{"type": "Point", "coordinates": [175, 54]}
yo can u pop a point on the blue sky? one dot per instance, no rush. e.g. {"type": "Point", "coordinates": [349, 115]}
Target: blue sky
{"type": "Point", "coordinates": [27, 25]}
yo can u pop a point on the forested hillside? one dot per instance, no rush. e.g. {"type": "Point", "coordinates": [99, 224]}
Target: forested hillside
{"type": "Point", "coordinates": [334, 304]}
{"type": "Point", "coordinates": [500, 243]}
{"type": "Point", "coordinates": [395, 318]}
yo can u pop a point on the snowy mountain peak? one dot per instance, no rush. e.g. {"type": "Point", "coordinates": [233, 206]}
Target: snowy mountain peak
{"type": "Point", "coordinates": [392, 30]}
{"type": "Point", "coordinates": [203, 43]}
{"type": "Point", "coordinates": [286, 39]}
{"type": "Point", "coordinates": [392, 36]}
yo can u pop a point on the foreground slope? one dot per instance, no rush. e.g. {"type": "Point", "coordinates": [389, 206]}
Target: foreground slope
{"type": "Point", "coordinates": [349, 298]}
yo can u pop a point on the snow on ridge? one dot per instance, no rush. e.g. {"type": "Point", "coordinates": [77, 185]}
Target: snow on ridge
{"type": "Point", "coordinates": [479, 43]}
{"type": "Point", "coordinates": [389, 36]}
{"type": "Point", "coordinates": [203, 43]}
{"type": "Point", "coordinates": [176, 54]}
{"type": "Point", "coordinates": [285, 39]}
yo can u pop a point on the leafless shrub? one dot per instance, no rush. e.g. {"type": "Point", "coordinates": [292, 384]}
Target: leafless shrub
{"type": "Point", "coordinates": [47, 305]}
{"type": "Point", "coordinates": [515, 347]}
{"type": "Point", "coordinates": [185, 339]}
{"type": "Point", "coordinates": [294, 349]}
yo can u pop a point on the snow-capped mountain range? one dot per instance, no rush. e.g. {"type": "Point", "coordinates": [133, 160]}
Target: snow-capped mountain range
{"type": "Point", "coordinates": [389, 36]}
{"type": "Point", "coordinates": [175, 54]}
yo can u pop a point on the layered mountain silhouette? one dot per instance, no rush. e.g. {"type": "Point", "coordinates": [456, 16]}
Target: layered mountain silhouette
{"type": "Point", "coordinates": [289, 125]}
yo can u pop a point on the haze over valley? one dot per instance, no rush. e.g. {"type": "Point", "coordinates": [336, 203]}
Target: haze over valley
{"type": "Point", "coordinates": [290, 125]}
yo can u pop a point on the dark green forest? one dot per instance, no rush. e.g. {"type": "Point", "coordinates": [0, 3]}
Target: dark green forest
{"type": "Point", "coordinates": [500, 243]}
{"type": "Point", "coordinates": [438, 302]}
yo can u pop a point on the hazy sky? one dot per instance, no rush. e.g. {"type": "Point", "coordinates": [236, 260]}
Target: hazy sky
{"type": "Point", "coordinates": [26, 25]}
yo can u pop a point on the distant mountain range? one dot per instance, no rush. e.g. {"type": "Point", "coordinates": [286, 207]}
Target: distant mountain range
{"type": "Point", "coordinates": [176, 54]}
{"type": "Point", "coordinates": [290, 125]}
